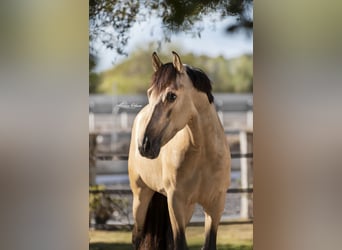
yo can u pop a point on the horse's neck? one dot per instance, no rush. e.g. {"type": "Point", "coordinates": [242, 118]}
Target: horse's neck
{"type": "Point", "coordinates": [205, 128]}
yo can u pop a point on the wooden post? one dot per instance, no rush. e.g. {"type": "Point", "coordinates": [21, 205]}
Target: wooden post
{"type": "Point", "coordinates": [250, 170]}
{"type": "Point", "coordinates": [124, 120]}
{"type": "Point", "coordinates": [249, 118]}
{"type": "Point", "coordinates": [92, 159]}
{"type": "Point", "coordinates": [244, 174]}
{"type": "Point", "coordinates": [91, 122]}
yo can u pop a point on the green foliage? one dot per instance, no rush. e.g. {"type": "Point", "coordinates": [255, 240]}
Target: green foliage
{"type": "Point", "coordinates": [99, 205]}
{"type": "Point", "coordinates": [110, 20]}
{"type": "Point", "coordinates": [134, 74]}
{"type": "Point", "coordinates": [102, 205]}
{"type": "Point", "coordinates": [94, 78]}
{"type": "Point", "coordinates": [242, 74]}
{"type": "Point", "coordinates": [94, 82]}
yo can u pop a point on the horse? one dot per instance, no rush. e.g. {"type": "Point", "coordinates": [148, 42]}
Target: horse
{"type": "Point", "coordinates": [178, 156]}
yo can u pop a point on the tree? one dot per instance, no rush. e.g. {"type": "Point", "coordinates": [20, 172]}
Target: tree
{"type": "Point", "coordinates": [227, 75]}
{"type": "Point", "coordinates": [109, 20]}
{"type": "Point", "coordinates": [94, 78]}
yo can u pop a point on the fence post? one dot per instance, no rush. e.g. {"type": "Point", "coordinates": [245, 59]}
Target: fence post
{"type": "Point", "coordinates": [249, 118]}
{"type": "Point", "coordinates": [244, 173]}
{"type": "Point", "coordinates": [92, 159]}
{"type": "Point", "coordinates": [124, 120]}
{"type": "Point", "coordinates": [91, 122]}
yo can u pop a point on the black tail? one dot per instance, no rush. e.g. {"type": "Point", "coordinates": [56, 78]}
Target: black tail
{"type": "Point", "coordinates": [157, 233]}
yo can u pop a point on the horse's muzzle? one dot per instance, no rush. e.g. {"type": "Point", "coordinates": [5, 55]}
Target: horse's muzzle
{"type": "Point", "coordinates": [149, 149]}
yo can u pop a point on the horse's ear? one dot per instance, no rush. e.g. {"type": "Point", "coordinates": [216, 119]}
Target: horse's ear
{"type": "Point", "coordinates": [177, 63]}
{"type": "Point", "coordinates": [156, 63]}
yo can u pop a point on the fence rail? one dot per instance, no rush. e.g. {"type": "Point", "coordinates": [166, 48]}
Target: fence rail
{"type": "Point", "coordinates": [245, 137]}
{"type": "Point", "coordinates": [125, 157]}
{"type": "Point", "coordinates": [127, 221]}
{"type": "Point", "coordinates": [128, 191]}
{"type": "Point", "coordinates": [238, 155]}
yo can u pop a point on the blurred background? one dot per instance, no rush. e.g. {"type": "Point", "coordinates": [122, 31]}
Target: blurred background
{"type": "Point", "coordinates": [44, 75]}
{"type": "Point", "coordinates": [215, 36]}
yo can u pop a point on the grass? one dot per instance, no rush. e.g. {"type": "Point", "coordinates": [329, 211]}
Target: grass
{"type": "Point", "coordinates": [230, 237]}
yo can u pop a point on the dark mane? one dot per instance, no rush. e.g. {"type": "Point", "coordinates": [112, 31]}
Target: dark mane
{"type": "Point", "coordinates": [200, 81]}
{"type": "Point", "coordinates": [167, 74]}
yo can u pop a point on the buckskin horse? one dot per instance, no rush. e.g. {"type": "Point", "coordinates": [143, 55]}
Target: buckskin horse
{"type": "Point", "coordinates": [178, 156]}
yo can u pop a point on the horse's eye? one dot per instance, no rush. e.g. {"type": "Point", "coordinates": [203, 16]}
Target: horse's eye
{"type": "Point", "coordinates": [171, 97]}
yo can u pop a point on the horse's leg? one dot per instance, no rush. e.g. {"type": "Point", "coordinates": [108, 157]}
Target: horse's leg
{"type": "Point", "coordinates": [141, 200]}
{"type": "Point", "coordinates": [178, 216]}
{"type": "Point", "coordinates": [213, 212]}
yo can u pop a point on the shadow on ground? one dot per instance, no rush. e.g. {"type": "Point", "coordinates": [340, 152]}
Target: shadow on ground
{"type": "Point", "coordinates": [123, 246]}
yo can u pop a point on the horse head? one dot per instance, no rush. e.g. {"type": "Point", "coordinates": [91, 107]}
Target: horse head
{"type": "Point", "coordinates": [174, 96]}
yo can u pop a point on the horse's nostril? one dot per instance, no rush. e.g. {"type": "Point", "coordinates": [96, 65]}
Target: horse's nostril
{"type": "Point", "coordinates": [148, 148]}
{"type": "Point", "coordinates": [146, 144]}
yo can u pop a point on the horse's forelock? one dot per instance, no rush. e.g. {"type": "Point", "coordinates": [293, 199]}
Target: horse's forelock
{"type": "Point", "coordinates": [164, 76]}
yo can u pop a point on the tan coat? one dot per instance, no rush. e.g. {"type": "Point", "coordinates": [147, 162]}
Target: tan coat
{"type": "Point", "coordinates": [193, 164]}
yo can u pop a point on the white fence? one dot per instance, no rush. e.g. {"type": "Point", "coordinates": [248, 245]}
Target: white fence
{"type": "Point", "coordinates": [110, 127]}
